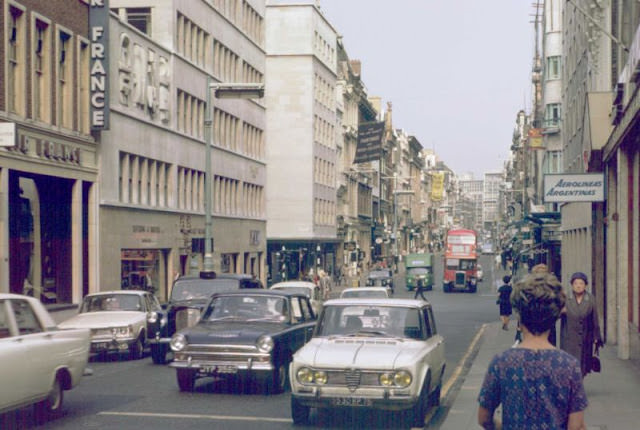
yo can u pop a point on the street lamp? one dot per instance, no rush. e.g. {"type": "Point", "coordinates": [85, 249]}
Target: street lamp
{"type": "Point", "coordinates": [221, 91]}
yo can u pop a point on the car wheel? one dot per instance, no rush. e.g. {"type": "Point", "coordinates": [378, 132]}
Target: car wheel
{"type": "Point", "coordinates": [186, 379]}
{"type": "Point", "coordinates": [158, 354]}
{"type": "Point", "coordinates": [137, 348]}
{"type": "Point", "coordinates": [299, 412]}
{"type": "Point", "coordinates": [52, 405]}
{"type": "Point", "coordinates": [276, 382]}
{"type": "Point", "coordinates": [419, 411]}
{"type": "Point", "coordinates": [445, 288]}
{"type": "Point", "coordinates": [435, 396]}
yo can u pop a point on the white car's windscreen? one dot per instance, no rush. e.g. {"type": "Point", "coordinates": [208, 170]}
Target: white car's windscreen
{"type": "Point", "coordinates": [375, 320]}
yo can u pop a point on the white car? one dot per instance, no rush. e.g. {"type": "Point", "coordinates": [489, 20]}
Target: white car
{"type": "Point", "coordinates": [365, 292]}
{"type": "Point", "coordinates": [370, 353]}
{"type": "Point", "coordinates": [309, 289]}
{"type": "Point", "coordinates": [39, 361]}
{"type": "Point", "coordinates": [120, 320]}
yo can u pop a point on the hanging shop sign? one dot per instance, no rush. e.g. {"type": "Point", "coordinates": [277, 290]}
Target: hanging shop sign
{"type": "Point", "coordinates": [587, 187]}
{"type": "Point", "coordinates": [98, 77]}
{"type": "Point", "coordinates": [369, 147]}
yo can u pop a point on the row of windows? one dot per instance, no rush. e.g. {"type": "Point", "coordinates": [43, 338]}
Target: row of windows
{"type": "Point", "coordinates": [323, 49]}
{"type": "Point", "coordinates": [49, 74]}
{"type": "Point", "coordinates": [229, 67]}
{"type": "Point", "coordinates": [144, 181]}
{"type": "Point", "coordinates": [244, 16]}
{"type": "Point", "coordinates": [191, 41]}
{"type": "Point", "coordinates": [324, 172]}
{"type": "Point", "coordinates": [324, 92]}
{"type": "Point", "coordinates": [228, 131]}
{"type": "Point", "coordinates": [190, 189]}
{"type": "Point", "coordinates": [191, 112]}
{"type": "Point", "coordinates": [324, 212]}
{"type": "Point", "coordinates": [323, 132]}
{"type": "Point", "coordinates": [148, 182]}
{"type": "Point", "coordinates": [233, 197]}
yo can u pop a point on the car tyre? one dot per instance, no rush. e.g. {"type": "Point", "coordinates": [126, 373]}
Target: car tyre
{"type": "Point", "coordinates": [137, 348]}
{"type": "Point", "coordinates": [159, 354]}
{"type": "Point", "coordinates": [186, 379]}
{"type": "Point", "coordinates": [435, 396]}
{"type": "Point", "coordinates": [52, 405]}
{"type": "Point", "coordinates": [276, 382]}
{"type": "Point", "coordinates": [299, 412]}
{"type": "Point", "coordinates": [419, 411]}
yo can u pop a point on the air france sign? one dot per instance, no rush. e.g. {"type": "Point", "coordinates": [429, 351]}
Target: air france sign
{"type": "Point", "coordinates": [98, 77]}
{"type": "Point", "coordinates": [588, 187]}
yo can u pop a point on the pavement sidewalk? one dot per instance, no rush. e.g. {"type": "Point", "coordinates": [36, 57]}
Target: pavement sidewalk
{"type": "Point", "coordinates": [613, 394]}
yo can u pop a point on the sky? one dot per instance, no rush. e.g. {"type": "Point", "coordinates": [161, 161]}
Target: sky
{"type": "Point", "coordinates": [456, 71]}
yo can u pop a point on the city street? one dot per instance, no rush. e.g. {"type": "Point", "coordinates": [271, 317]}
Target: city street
{"type": "Point", "coordinates": [140, 395]}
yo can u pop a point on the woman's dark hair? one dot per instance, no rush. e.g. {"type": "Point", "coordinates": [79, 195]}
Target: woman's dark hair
{"type": "Point", "coordinates": [506, 279]}
{"type": "Point", "coordinates": [538, 298]}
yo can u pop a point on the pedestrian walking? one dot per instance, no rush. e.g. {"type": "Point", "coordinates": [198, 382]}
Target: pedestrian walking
{"type": "Point", "coordinates": [538, 386]}
{"type": "Point", "coordinates": [420, 289]}
{"type": "Point", "coordinates": [579, 325]}
{"type": "Point", "coordinates": [504, 300]}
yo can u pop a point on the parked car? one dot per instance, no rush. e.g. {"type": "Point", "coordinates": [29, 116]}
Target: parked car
{"type": "Point", "coordinates": [120, 320]}
{"type": "Point", "coordinates": [382, 354]}
{"type": "Point", "coordinates": [381, 278]}
{"type": "Point", "coordinates": [247, 334]}
{"type": "Point", "coordinates": [480, 273]}
{"type": "Point", "coordinates": [310, 289]}
{"type": "Point", "coordinates": [365, 292]}
{"type": "Point", "coordinates": [189, 295]}
{"type": "Point", "coordinates": [39, 361]}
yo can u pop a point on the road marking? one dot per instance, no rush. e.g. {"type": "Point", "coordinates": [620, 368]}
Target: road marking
{"type": "Point", "coordinates": [198, 416]}
{"type": "Point", "coordinates": [456, 373]}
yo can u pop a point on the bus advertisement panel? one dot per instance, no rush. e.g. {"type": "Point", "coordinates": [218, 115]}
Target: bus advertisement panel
{"type": "Point", "coordinates": [461, 261]}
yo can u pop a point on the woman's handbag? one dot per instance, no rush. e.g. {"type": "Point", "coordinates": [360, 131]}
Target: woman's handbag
{"type": "Point", "coordinates": [595, 361]}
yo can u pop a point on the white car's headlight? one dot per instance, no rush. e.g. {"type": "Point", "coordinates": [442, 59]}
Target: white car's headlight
{"type": "Point", "coordinates": [178, 342]}
{"type": "Point", "coordinates": [305, 375]}
{"type": "Point", "coordinates": [401, 379]}
{"type": "Point", "coordinates": [265, 344]}
{"type": "Point", "coordinates": [122, 331]}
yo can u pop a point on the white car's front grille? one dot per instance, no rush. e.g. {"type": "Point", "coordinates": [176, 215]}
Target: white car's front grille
{"type": "Point", "coordinates": [352, 378]}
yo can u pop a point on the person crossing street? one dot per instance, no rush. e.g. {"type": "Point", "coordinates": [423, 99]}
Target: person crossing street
{"type": "Point", "coordinates": [420, 289]}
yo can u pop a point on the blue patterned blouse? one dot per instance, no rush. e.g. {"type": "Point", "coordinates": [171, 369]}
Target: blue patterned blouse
{"type": "Point", "coordinates": [538, 389]}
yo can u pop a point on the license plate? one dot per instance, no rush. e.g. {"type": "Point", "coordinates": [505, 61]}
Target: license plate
{"type": "Point", "coordinates": [223, 369]}
{"type": "Point", "coordinates": [352, 401]}
{"type": "Point", "coordinates": [101, 346]}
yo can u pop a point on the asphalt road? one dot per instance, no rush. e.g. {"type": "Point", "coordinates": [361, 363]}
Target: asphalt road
{"type": "Point", "coordinates": [125, 394]}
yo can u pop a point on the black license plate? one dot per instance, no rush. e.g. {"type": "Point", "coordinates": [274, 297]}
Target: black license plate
{"type": "Point", "coordinates": [352, 401]}
{"type": "Point", "coordinates": [221, 369]}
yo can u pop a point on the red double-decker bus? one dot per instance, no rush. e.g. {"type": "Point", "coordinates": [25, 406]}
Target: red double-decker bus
{"type": "Point", "coordinates": [460, 260]}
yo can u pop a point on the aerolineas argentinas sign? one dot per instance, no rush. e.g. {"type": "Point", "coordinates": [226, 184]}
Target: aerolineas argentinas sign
{"type": "Point", "coordinates": [588, 187]}
{"type": "Point", "coordinates": [98, 77]}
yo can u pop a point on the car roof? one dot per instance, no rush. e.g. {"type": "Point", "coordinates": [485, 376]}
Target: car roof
{"type": "Point", "coordinates": [130, 292]}
{"type": "Point", "coordinates": [258, 292]}
{"type": "Point", "coordinates": [294, 284]}
{"type": "Point", "coordinates": [406, 303]}
{"type": "Point", "coordinates": [366, 289]}
{"type": "Point", "coordinates": [218, 276]}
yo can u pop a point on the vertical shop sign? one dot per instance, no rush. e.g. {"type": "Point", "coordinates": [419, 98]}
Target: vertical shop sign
{"type": "Point", "coordinates": [98, 78]}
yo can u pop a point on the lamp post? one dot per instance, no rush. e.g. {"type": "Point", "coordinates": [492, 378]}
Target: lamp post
{"type": "Point", "coordinates": [221, 91]}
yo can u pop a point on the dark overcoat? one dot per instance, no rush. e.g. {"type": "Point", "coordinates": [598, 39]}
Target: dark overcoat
{"type": "Point", "coordinates": [580, 329]}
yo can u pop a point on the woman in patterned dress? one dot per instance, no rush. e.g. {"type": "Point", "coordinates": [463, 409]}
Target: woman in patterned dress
{"type": "Point", "coordinates": [579, 326]}
{"type": "Point", "coordinates": [539, 386]}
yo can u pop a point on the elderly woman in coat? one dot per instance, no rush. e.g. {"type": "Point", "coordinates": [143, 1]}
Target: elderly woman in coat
{"type": "Point", "coordinates": [579, 326]}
